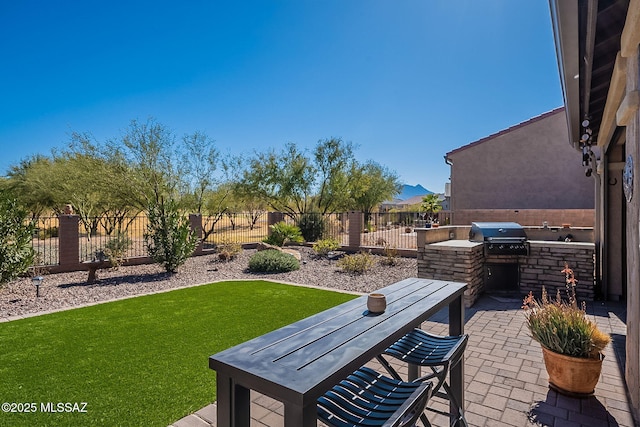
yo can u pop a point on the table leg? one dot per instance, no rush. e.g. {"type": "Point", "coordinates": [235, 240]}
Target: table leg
{"type": "Point", "coordinates": [414, 372]}
{"type": "Point", "coordinates": [456, 373]}
{"type": "Point", "coordinates": [296, 416]}
{"type": "Point", "coordinates": [234, 402]}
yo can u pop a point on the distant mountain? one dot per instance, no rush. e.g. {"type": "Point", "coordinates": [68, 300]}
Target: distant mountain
{"type": "Point", "coordinates": [409, 191]}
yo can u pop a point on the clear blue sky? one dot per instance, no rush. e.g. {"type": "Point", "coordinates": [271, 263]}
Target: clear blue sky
{"type": "Point", "coordinates": [405, 80]}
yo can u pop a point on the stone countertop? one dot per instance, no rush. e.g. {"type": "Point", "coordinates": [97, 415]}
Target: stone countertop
{"type": "Point", "coordinates": [459, 243]}
{"type": "Point", "coordinates": [456, 244]}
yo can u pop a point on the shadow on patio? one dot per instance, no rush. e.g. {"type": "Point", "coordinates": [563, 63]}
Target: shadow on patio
{"type": "Point", "coordinates": [506, 382]}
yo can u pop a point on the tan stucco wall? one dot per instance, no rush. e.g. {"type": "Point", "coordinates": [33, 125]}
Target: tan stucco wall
{"type": "Point", "coordinates": [531, 217]}
{"type": "Point", "coordinates": [529, 167]}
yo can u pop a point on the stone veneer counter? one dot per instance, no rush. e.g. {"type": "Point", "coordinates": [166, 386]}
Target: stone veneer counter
{"type": "Point", "coordinates": [464, 261]}
{"type": "Point", "coordinates": [454, 260]}
{"type": "Point", "coordinates": [546, 261]}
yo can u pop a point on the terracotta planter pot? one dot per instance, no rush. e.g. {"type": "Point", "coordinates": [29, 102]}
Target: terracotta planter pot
{"type": "Point", "coordinates": [572, 376]}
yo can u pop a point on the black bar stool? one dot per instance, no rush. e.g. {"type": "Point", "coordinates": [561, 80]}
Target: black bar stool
{"type": "Point", "coordinates": [367, 398]}
{"type": "Point", "coordinates": [437, 352]}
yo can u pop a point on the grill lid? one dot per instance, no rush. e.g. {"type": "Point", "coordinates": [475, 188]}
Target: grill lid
{"type": "Point", "coordinates": [496, 231]}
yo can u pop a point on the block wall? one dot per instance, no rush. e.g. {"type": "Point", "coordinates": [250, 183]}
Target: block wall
{"type": "Point", "coordinates": [546, 261]}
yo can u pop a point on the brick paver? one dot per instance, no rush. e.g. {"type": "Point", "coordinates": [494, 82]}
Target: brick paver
{"type": "Point", "coordinates": [505, 378]}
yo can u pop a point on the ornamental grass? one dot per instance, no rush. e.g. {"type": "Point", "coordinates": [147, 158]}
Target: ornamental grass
{"type": "Point", "coordinates": [563, 326]}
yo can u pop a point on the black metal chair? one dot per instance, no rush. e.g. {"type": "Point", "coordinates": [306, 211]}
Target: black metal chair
{"type": "Point", "coordinates": [437, 352]}
{"type": "Point", "coordinates": [367, 398]}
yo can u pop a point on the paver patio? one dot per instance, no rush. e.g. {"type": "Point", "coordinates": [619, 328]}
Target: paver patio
{"type": "Point", "coordinates": [505, 378]}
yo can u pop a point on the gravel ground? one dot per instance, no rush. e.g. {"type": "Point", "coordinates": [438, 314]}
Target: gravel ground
{"type": "Point", "coordinates": [66, 290]}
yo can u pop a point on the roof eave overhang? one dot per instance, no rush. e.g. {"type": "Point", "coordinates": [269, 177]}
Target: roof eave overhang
{"type": "Point", "coordinates": [564, 21]}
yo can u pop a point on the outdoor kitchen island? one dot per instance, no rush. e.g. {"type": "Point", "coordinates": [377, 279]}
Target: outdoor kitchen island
{"type": "Point", "coordinates": [447, 253]}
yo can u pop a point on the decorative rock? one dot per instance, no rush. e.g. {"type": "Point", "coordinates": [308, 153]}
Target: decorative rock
{"type": "Point", "coordinates": [262, 246]}
{"type": "Point", "coordinates": [295, 253]}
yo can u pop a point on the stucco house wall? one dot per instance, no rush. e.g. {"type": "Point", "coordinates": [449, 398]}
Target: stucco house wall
{"type": "Point", "coordinates": [528, 166]}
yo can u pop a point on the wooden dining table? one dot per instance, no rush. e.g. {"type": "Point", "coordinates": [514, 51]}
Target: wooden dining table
{"type": "Point", "coordinates": [299, 362]}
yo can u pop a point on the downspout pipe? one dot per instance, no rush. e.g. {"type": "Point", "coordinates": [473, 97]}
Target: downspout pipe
{"type": "Point", "coordinates": [448, 161]}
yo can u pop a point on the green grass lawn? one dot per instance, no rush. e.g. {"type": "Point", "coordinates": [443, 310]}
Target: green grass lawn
{"type": "Point", "coordinates": [141, 361]}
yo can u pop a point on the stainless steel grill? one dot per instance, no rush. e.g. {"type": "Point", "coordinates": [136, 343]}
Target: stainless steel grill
{"type": "Point", "coordinates": [500, 238]}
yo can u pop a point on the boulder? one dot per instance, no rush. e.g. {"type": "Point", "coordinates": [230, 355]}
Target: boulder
{"type": "Point", "coordinates": [293, 252]}
{"type": "Point", "coordinates": [262, 246]}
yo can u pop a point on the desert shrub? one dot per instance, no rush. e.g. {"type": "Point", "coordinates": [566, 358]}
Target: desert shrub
{"type": "Point", "coordinates": [228, 250]}
{"type": "Point", "coordinates": [169, 238]}
{"type": "Point", "coordinates": [311, 226]}
{"type": "Point", "coordinates": [16, 253]}
{"type": "Point", "coordinates": [116, 249]}
{"type": "Point", "coordinates": [356, 263]}
{"type": "Point", "coordinates": [324, 246]}
{"type": "Point", "coordinates": [282, 233]}
{"type": "Point", "coordinates": [272, 261]}
{"type": "Point", "coordinates": [391, 257]}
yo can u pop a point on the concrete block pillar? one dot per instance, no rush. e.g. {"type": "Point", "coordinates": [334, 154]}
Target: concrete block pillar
{"type": "Point", "coordinates": [196, 225]}
{"type": "Point", "coordinates": [356, 223]}
{"type": "Point", "coordinates": [274, 218]}
{"type": "Point", "coordinates": [68, 240]}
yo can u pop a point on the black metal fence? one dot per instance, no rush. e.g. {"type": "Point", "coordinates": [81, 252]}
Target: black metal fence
{"type": "Point", "coordinates": [392, 229]}
{"type": "Point", "coordinates": [131, 230]}
{"type": "Point", "coordinates": [395, 229]}
{"type": "Point", "coordinates": [45, 241]}
{"type": "Point", "coordinates": [242, 227]}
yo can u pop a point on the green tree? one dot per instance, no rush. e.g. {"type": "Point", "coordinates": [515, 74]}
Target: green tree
{"type": "Point", "coordinates": [214, 208]}
{"type": "Point", "coordinates": [29, 183]}
{"type": "Point", "coordinates": [292, 182]}
{"type": "Point", "coordinates": [283, 179]}
{"type": "Point", "coordinates": [67, 177]}
{"type": "Point", "coordinates": [219, 195]}
{"type": "Point", "coordinates": [77, 179]}
{"type": "Point", "coordinates": [149, 151]}
{"type": "Point", "coordinates": [431, 205]}
{"type": "Point", "coordinates": [109, 181]}
{"type": "Point", "coordinates": [93, 181]}
{"type": "Point", "coordinates": [372, 184]}
{"type": "Point", "coordinates": [199, 161]}
{"type": "Point", "coordinates": [16, 253]}
{"type": "Point", "coordinates": [252, 209]}
{"type": "Point", "coordinates": [250, 202]}
{"type": "Point", "coordinates": [334, 160]}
